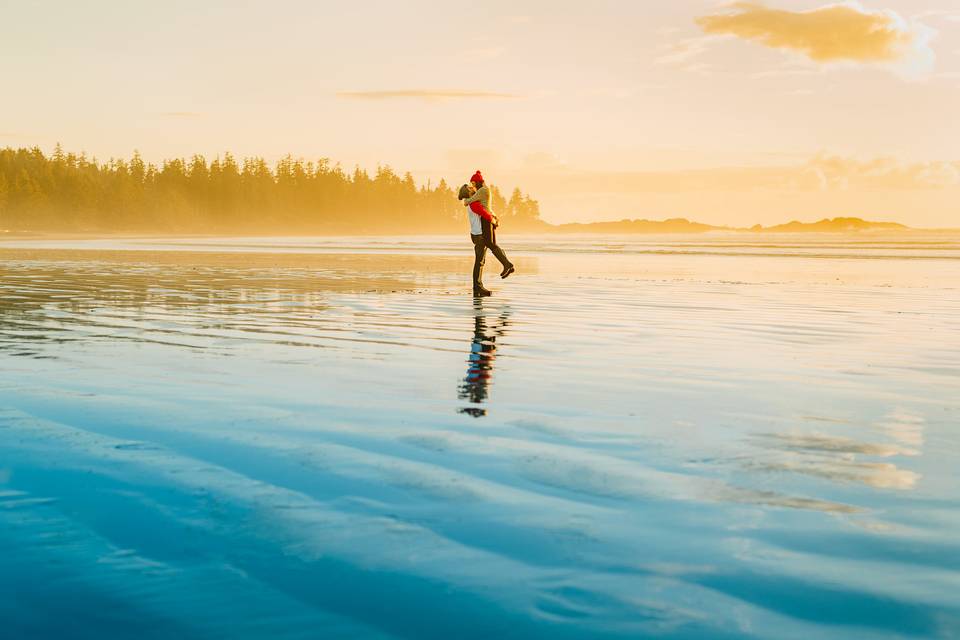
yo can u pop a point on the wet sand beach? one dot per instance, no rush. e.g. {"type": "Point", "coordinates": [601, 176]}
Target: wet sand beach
{"type": "Point", "coordinates": [724, 437]}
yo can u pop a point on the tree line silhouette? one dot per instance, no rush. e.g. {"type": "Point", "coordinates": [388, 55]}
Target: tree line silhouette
{"type": "Point", "coordinates": [70, 192]}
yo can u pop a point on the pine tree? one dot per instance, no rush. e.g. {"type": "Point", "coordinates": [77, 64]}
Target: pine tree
{"type": "Point", "coordinates": [497, 203]}
{"type": "Point", "coordinates": [515, 206]}
{"type": "Point", "coordinates": [66, 191]}
{"type": "Point", "coordinates": [4, 189]}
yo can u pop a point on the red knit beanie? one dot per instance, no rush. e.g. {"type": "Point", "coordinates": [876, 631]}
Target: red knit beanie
{"type": "Point", "coordinates": [477, 177]}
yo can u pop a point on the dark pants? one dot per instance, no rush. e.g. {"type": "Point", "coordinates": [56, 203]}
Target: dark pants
{"type": "Point", "coordinates": [487, 240]}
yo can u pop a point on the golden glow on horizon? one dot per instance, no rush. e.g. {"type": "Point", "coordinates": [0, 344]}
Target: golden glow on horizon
{"type": "Point", "coordinates": [726, 114]}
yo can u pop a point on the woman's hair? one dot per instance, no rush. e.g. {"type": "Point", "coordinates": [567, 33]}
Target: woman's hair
{"type": "Point", "coordinates": [465, 192]}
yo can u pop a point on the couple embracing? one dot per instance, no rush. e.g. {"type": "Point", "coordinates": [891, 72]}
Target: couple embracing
{"type": "Point", "coordinates": [483, 226]}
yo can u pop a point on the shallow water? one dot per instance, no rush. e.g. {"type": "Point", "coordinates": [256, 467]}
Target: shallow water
{"type": "Point", "coordinates": [286, 438]}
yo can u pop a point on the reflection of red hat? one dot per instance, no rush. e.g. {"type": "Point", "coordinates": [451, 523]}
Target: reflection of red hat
{"type": "Point", "coordinates": [477, 177]}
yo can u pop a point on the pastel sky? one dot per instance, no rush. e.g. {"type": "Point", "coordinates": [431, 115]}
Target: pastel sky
{"type": "Point", "coordinates": [731, 113]}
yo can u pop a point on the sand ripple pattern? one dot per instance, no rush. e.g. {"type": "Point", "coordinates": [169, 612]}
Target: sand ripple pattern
{"type": "Point", "coordinates": [344, 445]}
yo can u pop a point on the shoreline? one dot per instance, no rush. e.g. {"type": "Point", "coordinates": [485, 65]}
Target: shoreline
{"type": "Point", "coordinates": [909, 233]}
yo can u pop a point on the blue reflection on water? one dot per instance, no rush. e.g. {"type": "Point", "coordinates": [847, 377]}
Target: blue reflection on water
{"type": "Point", "coordinates": [213, 449]}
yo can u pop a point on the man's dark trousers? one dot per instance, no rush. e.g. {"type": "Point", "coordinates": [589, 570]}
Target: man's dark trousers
{"type": "Point", "coordinates": [487, 240]}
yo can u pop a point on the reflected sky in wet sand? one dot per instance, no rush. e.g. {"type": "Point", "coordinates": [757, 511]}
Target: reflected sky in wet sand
{"type": "Point", "coordinates": [236, 441]}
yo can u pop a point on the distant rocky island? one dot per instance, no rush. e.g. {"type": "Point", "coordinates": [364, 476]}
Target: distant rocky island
{"type": "Point", "coordinates": [836, 225]}
{"type": "Point", "coordinates": [682, 225]}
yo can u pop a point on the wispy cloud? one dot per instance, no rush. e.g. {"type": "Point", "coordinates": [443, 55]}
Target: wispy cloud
{"type": "Point", "coordinates": [430, 95]}
{"type": "Point", "coordinates": [845, 32]}
{"type": "Point", "coordinates": [682, 52]}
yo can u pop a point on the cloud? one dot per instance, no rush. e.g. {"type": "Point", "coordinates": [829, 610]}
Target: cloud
{"type": "Point", "coordinates": [682, 52]}
{"type": "Point", "coordinates": [845, 32]}
{"type": "Point", "coordinates": [430, 95]}
{"type": "Point", "coordinates": [181, 114]}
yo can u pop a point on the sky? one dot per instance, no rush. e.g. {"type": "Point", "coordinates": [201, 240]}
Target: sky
{"type": "Point", "coordinates": [726, 113]}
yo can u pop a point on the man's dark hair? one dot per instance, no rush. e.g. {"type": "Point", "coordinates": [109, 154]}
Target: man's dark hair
{"type": "Point", "coordinates": [464, 192]}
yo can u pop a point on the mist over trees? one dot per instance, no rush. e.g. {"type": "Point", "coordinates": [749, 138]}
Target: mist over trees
{"type": "Point", "coordinates": [68, 192]}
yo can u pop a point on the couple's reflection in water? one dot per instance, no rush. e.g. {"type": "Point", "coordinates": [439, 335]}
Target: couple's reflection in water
{"type": "Point", "coordinates": [488, 325]}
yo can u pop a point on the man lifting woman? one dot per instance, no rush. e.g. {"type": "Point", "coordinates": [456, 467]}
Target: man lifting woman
{"type": "Point", "coordinates": [483, 225]}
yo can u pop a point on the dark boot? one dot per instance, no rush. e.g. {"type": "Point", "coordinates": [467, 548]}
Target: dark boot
{"type": "Point", "coordinates": [507, 270]}
{"type": "Point", "coordinates": [480, 291]}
